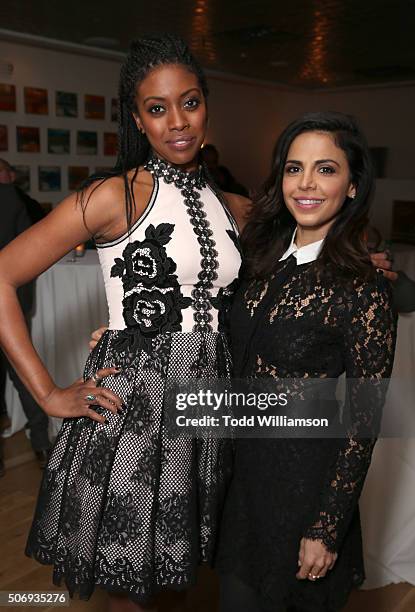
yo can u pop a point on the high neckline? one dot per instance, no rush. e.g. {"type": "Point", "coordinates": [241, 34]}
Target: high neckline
{"type": "Point", "coordinates": [304, 254]}
{"type": "Point", "coordinates": [172, 174]}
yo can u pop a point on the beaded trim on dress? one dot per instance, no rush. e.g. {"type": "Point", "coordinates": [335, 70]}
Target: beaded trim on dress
{"type": "Point", "coordinates": [190, 183]}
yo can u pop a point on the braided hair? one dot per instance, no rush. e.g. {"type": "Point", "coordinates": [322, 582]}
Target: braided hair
{"type": "Point", "coordinates": [133, 147]}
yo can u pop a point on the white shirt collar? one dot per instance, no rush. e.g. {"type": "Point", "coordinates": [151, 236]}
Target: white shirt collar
{"type": "Point", "coordinates": [304, 254]}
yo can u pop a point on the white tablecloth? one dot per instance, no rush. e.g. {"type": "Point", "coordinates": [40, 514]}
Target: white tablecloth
{"type": "Point", "coordinates": [388, 499]}
{"type": "Point", "coordinates": [70, 303]}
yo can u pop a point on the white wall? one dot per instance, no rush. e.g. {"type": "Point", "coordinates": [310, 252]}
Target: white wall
{"type": "Point", "coordinates": [251, 118]}
{"type": "Point", "coordinates": [56, 71]}
{"type": "Point", "coordinates": [245, 119]}
{"type": "Point", "coordinates": [387, 118]}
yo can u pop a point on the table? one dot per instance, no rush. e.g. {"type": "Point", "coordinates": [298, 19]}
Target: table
{"type": "Point", "coordinates": [388, 499]}
{"type": "Point", "coordinates": [70, 303]}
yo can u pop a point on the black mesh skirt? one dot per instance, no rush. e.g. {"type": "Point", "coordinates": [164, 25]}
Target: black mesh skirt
{"type": "Point", "coordinates": [125, 505]}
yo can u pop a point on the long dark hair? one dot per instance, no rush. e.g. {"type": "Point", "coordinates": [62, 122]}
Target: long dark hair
{"type": "Point", "coordinates": [133, 146]}
{"type": "Point", "coordinates": [269, 230]}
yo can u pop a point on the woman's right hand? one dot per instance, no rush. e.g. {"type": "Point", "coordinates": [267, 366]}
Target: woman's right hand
{"type": "Point", "coordinates": [76, 401]}
{"type": "Point", "coordinates": [96, 337]}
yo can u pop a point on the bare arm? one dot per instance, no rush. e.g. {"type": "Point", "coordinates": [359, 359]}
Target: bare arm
{"type": "Point", "coordinates": [30, 254]}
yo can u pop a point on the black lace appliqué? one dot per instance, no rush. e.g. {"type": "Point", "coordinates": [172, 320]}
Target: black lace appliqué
{"type": "Point", "coordinates": [139, 417]}
{"type": "Point", "coordinates": [71, 515]}
{"type": "Point", "coordinates": [120, 523]}
{"type": "Point", "coordinates": [174, 519]}
{"type": "Point", "coordinates": [98, 459]}
{"type": "Point", "coordinates": [147, 467]}
{"type": "Point", "coordinates": [152, 301]}
{"type": "Point", "coordinates": [190, 184]}
{"type": "Point", "coordinates": [223, 303]}
{"type": "Point", "coordinates": [122, 571]}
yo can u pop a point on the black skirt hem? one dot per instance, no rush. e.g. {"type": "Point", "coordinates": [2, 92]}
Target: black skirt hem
{"type": "Point", "coordinates": [85, 591]}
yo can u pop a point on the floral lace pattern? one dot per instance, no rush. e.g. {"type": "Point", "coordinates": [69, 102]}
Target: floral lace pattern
{"type": "Point", "coordinates": [105, 484]}
{"type": "Point", "coordinates": [301, 324]}
{"type": "Point", "coordinates": [152, 301]}
{"type": "Point", "coordinates": [120, 522]}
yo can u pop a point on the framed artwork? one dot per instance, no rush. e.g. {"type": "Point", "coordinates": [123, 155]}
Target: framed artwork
{"type": "Point", "coordinates": [58, 141]}
{"type": "Point", "coordinates": [94, 107]}
{"type": "Point", "coordinates": [86, 143]}
{"type": "Point", "coordinates": [22, 179]}
{"type": "Point", "coordinates": [49, 178]}
{"type": "Point", "coordinates": [4, 138]}
{"type": "Point", "coordinates": [110, 143]}
{"type": "Point", "coordinates": [76, 176]}
{"type": "Point", "coordinates": [36, 101]}
{"type": "Point", "coordinates": [66, 104]}
{"type": "Point", "coordinates": [403, 221]}
{"type": "Point", "coordinates": [28, 139]}
{"type": "Point", "coordinates": [114, 109]}
{"type": "Point", "coordinates": [7, 98]}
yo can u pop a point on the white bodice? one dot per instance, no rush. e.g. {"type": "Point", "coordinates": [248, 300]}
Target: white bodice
{"type": "Point", "coordinates": [152, 255]}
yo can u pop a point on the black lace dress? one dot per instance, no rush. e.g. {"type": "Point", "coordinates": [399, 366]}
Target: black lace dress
{"type": "Point", "coordinates": [297, 324]}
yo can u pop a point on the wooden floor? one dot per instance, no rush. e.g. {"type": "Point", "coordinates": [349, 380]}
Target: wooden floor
{"type": "Point", "coordinates": [18, 490]}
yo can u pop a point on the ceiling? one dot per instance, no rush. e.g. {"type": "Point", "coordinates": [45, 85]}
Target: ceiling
{"type": "Point", "coordinates": [310, 44]}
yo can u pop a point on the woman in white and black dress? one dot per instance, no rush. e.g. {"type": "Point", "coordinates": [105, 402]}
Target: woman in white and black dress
{"type": "Point", "coordinates": [121, 504]}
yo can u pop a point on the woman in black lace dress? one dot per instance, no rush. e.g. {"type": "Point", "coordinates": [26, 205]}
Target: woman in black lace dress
{"type": "Point", "coordinates": [310, 305]}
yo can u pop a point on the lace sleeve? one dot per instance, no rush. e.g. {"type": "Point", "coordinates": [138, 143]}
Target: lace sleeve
{"type": "Point", "coordinates": [369, 344]}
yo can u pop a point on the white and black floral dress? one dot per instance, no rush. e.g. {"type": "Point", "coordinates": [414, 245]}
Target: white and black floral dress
{"type": "Point", "coordinates": [123, 504]}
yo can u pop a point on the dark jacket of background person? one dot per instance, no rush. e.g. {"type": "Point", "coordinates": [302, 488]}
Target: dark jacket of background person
{"type": "Point", "coordinates": [14, 220]}
{"type": "Point", "coordinates": [33, 208]}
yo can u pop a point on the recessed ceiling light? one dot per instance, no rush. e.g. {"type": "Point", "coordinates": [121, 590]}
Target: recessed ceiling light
{"type": "Point", "coordinates": [102, 41]}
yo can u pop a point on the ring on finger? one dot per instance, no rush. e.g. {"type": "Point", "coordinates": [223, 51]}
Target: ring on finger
{"type": "Point", "coordinates": [313, 576]}
{"type": "Point", "coordinates": [90, 397]}
{"type": "Point", "coordinates": [96, 378]}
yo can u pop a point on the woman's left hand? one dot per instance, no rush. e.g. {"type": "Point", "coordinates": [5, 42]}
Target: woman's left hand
{"type": "Point", "coordinates": [314, 560]}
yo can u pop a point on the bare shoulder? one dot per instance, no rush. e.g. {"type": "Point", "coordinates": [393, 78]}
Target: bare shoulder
{"type": "Point", "coordinates": [110, 189]}
{"type": "Point", "coordinates": [104, 202]}
{"type": "Point", "coordinates": [240, 207]}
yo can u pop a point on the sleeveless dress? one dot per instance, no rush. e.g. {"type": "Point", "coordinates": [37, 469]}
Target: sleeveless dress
{"type": "Point", "coordinates": [122, 504]}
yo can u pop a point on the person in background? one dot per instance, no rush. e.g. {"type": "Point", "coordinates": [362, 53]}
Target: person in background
{"type": "Point", "coordinates": [220, 174]}
{"type": "Point", "coordinates": [8, 177]}
{"type": "Point", "coordinates": [403, 287]}
{"type": "Point", "coordinates": [14, 221]}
